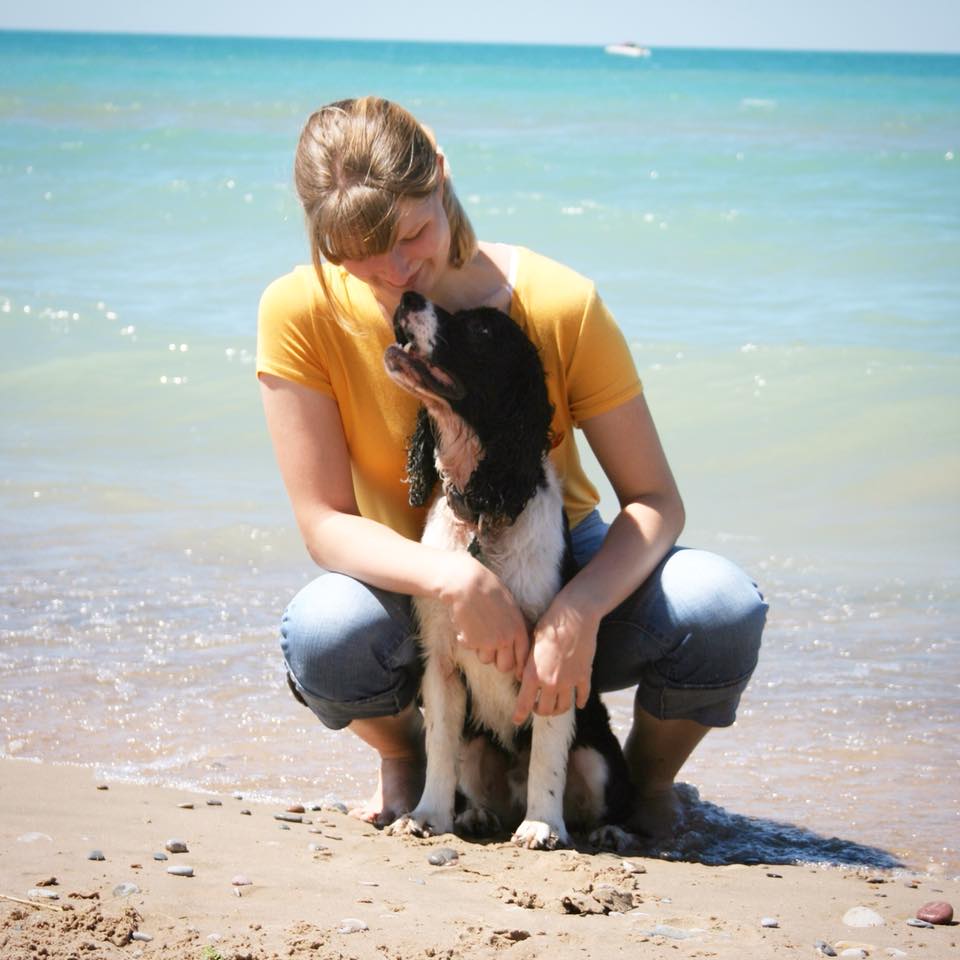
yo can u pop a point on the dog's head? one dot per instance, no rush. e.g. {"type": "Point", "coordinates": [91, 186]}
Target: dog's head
{"type": "Point", "coordinates": [482, 386]}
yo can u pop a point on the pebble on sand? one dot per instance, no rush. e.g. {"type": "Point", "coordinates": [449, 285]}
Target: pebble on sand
{"type": "Point", "coordinates": [862, 917]}
{"type": "Point", "coordinates": [443, 856]}
{"type": "Point", "coordinates": [37, 893]}
{"type": "Point", "coordinates": [183, 871]}
{"type": "Point", "coordinates": [936, 911]}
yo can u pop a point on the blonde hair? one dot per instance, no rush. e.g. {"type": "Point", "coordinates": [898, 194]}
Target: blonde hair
{"type": "Point", "coordinates": [356, 161]}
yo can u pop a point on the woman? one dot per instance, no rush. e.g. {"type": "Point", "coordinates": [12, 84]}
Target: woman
{"type": "Point", "coordinates": [682, 626]}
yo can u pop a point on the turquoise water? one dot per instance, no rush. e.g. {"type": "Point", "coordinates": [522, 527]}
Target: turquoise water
{"type": "Point", "coordinates": [777, 233]}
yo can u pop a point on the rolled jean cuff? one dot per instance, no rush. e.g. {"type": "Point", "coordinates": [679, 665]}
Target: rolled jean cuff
{"type": "Point", "coordinates": [337, 714]}
{"type": "Point", "coordinates": [710, 706]}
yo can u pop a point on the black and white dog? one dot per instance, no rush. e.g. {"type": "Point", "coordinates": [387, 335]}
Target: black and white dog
{"type": "Point", "coordinates": [484, 433]}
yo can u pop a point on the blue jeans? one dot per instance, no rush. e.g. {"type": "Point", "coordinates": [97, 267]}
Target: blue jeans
{"type": "Point", "coordinates": [687, 639]}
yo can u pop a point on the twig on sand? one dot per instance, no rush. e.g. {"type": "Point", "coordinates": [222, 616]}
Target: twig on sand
{"type": "Point", "coordinates": [32, 903]}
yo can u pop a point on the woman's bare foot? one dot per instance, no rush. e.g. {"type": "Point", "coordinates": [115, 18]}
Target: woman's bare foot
{"type": "Point", "coordinates": [399, 742]}
{"type": "Point", "coordinates": [399, 785]}
{"type": "Point", "coordinates": [656, 814]}
{"type": "Point", "coordinates": [655, 750]}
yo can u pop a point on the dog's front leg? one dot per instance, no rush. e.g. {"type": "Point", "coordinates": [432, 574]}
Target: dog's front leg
{"type": "Point", "coordinates": [543, 828]}
{"type": "Point", "coordinates": [444, 706]}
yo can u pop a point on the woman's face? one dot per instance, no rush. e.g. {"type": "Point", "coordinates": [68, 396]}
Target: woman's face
{"type": "Point", "coordinates": [418, 258]}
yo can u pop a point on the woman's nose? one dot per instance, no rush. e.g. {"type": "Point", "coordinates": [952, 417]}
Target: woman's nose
{"type": "Point", "coordinates": [398, 267]}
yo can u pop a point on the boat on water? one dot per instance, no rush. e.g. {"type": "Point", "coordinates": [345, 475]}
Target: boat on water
{"type": "Point", "coordinates": [627, 49]}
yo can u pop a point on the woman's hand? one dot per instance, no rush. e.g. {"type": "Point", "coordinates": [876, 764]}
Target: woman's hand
{"type": "Point", "coordinates": [485, 615]}
{"type": "Point", "coordinates": [559, 666]}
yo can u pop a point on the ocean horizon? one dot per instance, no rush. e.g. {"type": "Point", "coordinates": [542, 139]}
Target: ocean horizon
{"type": "Point", "coordinates": [777, 233]}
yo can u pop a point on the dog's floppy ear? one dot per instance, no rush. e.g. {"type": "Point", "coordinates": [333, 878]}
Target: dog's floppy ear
{"type": "Point", "coordinates": [512, 466]}
{"type": "Point", "coordinates": [421, 466]}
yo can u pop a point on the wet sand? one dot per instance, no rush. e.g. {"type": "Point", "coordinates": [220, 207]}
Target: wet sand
{"type": "Point", "coordinates": [335, 887]}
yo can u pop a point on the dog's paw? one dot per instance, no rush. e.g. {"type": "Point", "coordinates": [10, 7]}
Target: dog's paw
{"type": "Point", "coordinates": [613, 838]}
{"type": "Point", "coordinates": [478, 822]}
{"type": "Point", "coordinates": [539, 835]}
{"type": "Point", "coordinates": [420, 825]}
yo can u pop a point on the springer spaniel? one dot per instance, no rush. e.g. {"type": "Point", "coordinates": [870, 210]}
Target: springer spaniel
{"type": "Point", "coordinates": [484, 432]}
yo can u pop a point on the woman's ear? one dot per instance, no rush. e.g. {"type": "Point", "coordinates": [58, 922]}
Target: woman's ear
{"type": "Point", "coordinates": [421, 465]}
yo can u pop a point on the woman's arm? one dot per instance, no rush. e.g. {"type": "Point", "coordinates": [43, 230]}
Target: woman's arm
{"type": "Point", "coordinates": [651, 517]}
{"type": "Point", "coordinates": [314, 461]}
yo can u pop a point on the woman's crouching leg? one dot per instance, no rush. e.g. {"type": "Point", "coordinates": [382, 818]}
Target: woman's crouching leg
{"type": "Point", "coordinates": [350, 650]}
{"type": "Point", "coordinates": [689, 639]}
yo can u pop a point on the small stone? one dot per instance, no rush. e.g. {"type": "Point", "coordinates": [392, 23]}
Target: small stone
{"type": "Point", "coordinates": [289, 817]}
{"type": "Point", "coordinates": [936, 911]}
{"type": "Point", "coordinates": [862, 917]}
{"type": "Point", "coordinates": [296, 808]}
{"type": "Point", "coordinates": [141, 937]}
{"type": "Point", "coordinates": [330, 802]}
{"type": "Point", "coordinates": [241, 881]}
{"type": "Point", "coordinates": [185, 806]}
{"type": "Point", "coordinates": [38, 894]}
{"type": "Point", "coordinates": [96, 855]}
{"type": "Point", "coordinates": [443, 856]}
{"type": "Point", "coordinates": [176, 846]}
{"type": "Point", "coordinates": [160, 855]}
{"type": "Point", "coordinates": [771, 922]}
{"type": "Point", "coordinates": [823, 947]}
{"type": "Point", "coordinates": [214, 803]}
{"type": "Point", "coordinates": [914, 922]}
{"type": "Point", "coordinates": [352, 925]}
{"type": "Point", "coordinates": [183, 871]}
{"type": "Point", "coordinates": [125, 889]}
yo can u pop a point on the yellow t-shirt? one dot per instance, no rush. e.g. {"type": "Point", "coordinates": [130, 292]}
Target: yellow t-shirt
{"type": "Point", "coordinates": [587, 361]}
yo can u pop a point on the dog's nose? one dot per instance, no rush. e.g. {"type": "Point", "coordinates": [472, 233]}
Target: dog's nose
{"type": "Point", "coordinates": [413, 302]}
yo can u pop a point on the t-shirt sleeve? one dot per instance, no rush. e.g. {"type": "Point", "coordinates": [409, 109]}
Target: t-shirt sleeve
{"type": "Point", "coordinates": [289, 344]}
{"type": "Point", "coordinates": [601, 373]}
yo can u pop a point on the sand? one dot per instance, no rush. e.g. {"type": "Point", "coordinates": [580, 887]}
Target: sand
{"type": "Point", "coordinates": [367, 895]}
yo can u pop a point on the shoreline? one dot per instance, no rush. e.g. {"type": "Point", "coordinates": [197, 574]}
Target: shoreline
{"type": "Point", "coordinates": [358, 893]}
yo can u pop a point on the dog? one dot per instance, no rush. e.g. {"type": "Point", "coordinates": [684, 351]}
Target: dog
{"type": "Point", "coordinates": [483, 433]}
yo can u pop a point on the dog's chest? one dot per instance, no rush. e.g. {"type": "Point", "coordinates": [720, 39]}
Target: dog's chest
{"type": "Point", "coordinates": [527, 557]}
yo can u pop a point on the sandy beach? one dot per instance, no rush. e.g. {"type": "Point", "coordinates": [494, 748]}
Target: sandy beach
{"type": "Point", "coordinates": [333, 887]}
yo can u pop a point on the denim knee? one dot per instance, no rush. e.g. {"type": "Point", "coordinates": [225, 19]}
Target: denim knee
{"type": "Point", "coordinates": [350, 650]}
{"type": "Point", "coordinates": [689, 638]}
